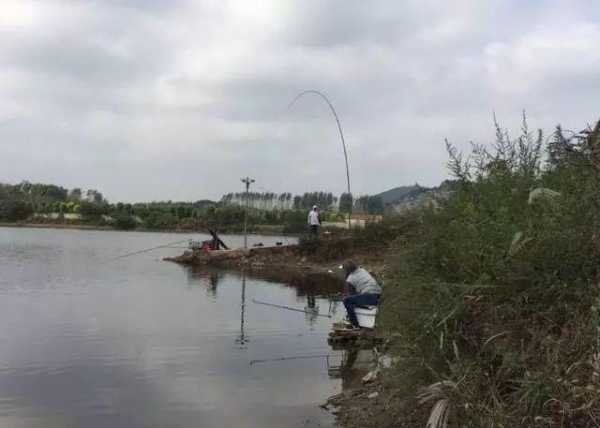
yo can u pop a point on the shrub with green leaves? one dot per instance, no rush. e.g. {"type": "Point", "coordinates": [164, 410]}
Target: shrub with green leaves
{"type": "Point", "coordinates": [336, 244]}
{"type": "Point", "coordinates": [494, 295]}
{"type": "Point", "coordinates": [125, 222]}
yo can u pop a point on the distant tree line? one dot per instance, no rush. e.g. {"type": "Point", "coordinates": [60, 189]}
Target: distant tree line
{"type": "Point", "coordinates": [326, 201]}
{"type": "Point", "coordinates": [51, 203]}
{"type": "Point", "coordinates": [369, 204]}
{"type": "Point", "coordinates": [306, 201]}
{"type": "Point", "coordinates": [20, 201]}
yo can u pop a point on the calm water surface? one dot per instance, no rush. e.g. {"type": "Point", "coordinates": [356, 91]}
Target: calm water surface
{"type": "Point", "coordinates": [139, 342]}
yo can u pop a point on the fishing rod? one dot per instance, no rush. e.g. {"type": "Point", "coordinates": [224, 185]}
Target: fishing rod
{"type": "Point", "coordinates": [295, 357]}
{"type": "Point", "coordinates": [147, 250]}
{"type": "Point", "coordinates": [289, 308]}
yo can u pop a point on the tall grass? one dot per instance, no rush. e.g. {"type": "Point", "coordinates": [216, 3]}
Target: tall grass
{"type": "Point", "coordinates": [496, 291]}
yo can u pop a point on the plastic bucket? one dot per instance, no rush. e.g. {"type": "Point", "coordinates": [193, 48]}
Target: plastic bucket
{"type": "Point", "coordinates": [366, 317]}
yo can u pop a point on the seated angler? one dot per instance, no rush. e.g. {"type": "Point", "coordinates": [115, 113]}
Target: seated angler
{"type": "Point", "coordinates": [364, 290]}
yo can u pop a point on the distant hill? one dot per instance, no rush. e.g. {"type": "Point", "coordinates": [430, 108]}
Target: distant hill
{"type": "Point", "coordinates": [404, 198]}
{"type": "Point", "coordinates": [397, 194]}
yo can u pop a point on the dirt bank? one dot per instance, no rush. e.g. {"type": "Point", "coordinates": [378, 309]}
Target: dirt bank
{"type": "Point", "coordinates": [376, 404]}
{"type": "Point", "coordinates": [370, 395]}
{"type": "Point", "coordinates": [286, 258]}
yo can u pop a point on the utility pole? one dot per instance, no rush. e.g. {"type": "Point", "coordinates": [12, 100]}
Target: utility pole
{"type": "Point", "coordinates": [247, 181]}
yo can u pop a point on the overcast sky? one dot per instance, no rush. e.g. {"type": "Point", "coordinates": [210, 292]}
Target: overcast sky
{"type": "Point", "coordinates": [175, 99]}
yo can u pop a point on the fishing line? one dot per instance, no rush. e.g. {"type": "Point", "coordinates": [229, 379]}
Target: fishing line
{"type": "Point", "coordinates": [147, 250]}
{"type": "Point", "coordinates": [295, 357]}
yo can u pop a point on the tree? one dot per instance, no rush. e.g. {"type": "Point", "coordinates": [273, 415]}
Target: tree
{"type": "Point", "coordinates": [346, 203]}
{"type": "Point", "coordinates": [94, 196]}
{"type": "Point", "coordinates": [75, 194]}
{"type": "Point", "coordinates": [15, 210]}
{"type": "Point", "coordinates": [48, 192]}
{"type": "Point", "coordinates": [69, 207]}
{"type": "Point", "coordinates": [182, 212]}
{"type": "Point", "coordinates": [297, 202]}
{"type": "Point", "coordinates": [375, 205]}
{"type": "Point", "coordinates": [361, 203]}
{"type": "Point", "coordinates": [91, 210]}
{"type": "Point", "coordinates": [125, 222]}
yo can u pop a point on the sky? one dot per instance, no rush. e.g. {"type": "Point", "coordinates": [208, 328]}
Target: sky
{"type": "Point", "coordinates": [177, 100]}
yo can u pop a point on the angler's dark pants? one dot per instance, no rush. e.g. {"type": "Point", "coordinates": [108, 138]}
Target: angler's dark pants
{"type": "Point", "coordinates": [351, 302]}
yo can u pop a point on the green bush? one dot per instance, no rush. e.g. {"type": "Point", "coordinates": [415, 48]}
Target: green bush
{"type": "Point", "coordinates": [124, 222]}
{"type": "Point", "coordinates": [14, 210]}
{"type": "Point", "coordinates": [494, 294]}
{"type": "Point", "coordinates": [160, 220]}
{"type": "Point", "coordinates": [335, 244]}
{"type": "Point", "coordinates": [92, 210]}
{"type": "Point", "coordinates": [294, 221]}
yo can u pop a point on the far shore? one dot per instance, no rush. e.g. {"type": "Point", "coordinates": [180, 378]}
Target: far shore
{"type": "Point", "coordinates": [265, 231]}
{"type": "Point", "coordinates": [56, 226]}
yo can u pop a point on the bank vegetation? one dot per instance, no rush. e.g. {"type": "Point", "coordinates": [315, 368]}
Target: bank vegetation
{"type": "Point", "coordinates": [492, 298]}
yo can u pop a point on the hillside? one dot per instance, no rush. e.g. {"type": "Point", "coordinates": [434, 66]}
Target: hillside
{"type": "Point", "coordinates": [396, 194]}
{"type": "Point", "coordinates": [403, 198]}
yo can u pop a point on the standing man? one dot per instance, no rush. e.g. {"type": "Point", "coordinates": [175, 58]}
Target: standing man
{"type": "Point", "coordinates": [314, 220]}
{"type": "Point", "coordinates": [364, 290]}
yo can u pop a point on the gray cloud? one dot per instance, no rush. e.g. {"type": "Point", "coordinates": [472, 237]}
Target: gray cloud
{"type": "Point", "coordinates": [176, 100]}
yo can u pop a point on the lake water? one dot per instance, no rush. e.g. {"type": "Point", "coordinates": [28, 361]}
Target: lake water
{"type": "Point", "coordinates": [139, 342]}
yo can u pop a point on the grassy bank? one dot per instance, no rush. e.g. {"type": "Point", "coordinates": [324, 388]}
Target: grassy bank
{"type": "Point", "coordinates": [491, 299]}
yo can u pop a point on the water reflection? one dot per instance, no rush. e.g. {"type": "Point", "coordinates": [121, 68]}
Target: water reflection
{"type": "Point", "coordinates": [312, 309]}
{"type": "Point", "coordinates": [346, 365]}
{"type": "Point", "coordinates": [242, 339]}
{"type": "Point", "coordinates": [349, 365]}
{"type": "Point", "coordinates": [353, 364]}
{"type": "Point", "coordinates": [213, 282]}
{"type": "Point", "coordinates": [143, 343]}
{"type": "Point", "coordinates": [209, 278]}
{"type": "Point", "coordinates": [309, 289]}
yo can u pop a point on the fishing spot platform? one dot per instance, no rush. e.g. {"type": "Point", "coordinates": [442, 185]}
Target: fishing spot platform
{"type": "Point", "coordinates": [281, 258]}
{"type": "Point", "coordinates": [342, 337]}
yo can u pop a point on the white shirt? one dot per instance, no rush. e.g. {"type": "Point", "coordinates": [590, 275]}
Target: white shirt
{"type": "Point", "coordinates": [313, 218]}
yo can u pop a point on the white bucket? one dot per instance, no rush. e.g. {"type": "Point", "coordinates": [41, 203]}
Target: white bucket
{"type": "Point", "coordinates": [366, 317]}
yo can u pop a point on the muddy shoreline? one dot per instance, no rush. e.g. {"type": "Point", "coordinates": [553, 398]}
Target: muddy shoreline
{"type": "Point", "coordinates": [285, 259]}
